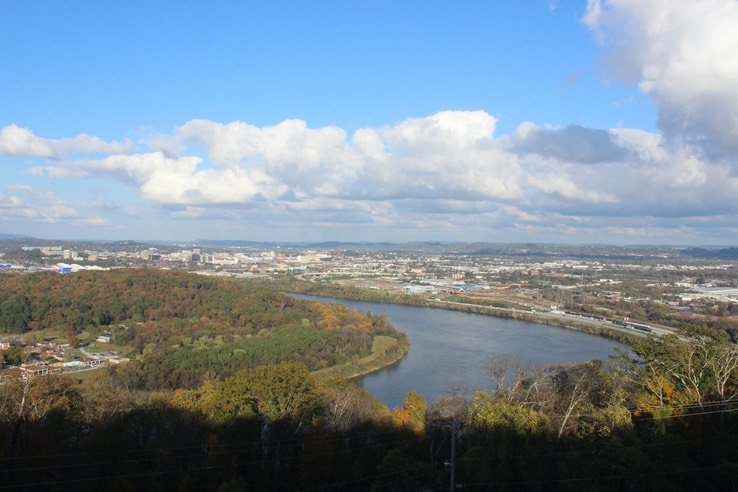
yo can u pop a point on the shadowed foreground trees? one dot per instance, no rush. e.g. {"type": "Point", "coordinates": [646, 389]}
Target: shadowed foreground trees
{"type": "Point", "coordinates": [265, 428]}
{"type": "Point", "coordinates": [643, 421]}
{"type": "Point", "coordinates": [661, 417]}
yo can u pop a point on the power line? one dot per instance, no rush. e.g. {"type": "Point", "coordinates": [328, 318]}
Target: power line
{"type": "Point", "coordinates": [227, 453]}
{"type": "Point", "coordinates": [266, 442]}
{"type": "Point", "coordinates": [596, 479]}
{"type": "Point", "coordinates": [230, 449]}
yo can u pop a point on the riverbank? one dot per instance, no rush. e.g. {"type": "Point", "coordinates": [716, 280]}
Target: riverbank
{"type": "Point", "coordinates": [451, 349]}
{"type": "Point", "coordinates": [584, 325]}
{"type": "Point", "coordinates": [386, 351]}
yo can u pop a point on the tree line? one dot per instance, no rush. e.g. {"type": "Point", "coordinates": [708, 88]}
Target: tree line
{"type": "Point", "coordinates": [183, 329]}
{"type": "Point", "coordinates": [659, 417]}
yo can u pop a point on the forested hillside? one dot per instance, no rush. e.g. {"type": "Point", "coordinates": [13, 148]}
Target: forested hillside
{"type": "Point", "coordinates": [220, 396]}
{"type": "Point", "coordinates": [185, 329]}
{"type": "Point", "coordinates": [663, 420]}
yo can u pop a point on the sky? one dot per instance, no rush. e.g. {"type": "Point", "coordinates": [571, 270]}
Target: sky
{"type": "Point", "coordinates": [543, 121]}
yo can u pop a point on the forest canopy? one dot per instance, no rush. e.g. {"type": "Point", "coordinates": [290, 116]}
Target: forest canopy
{"type": "Point", "coordinates": [185, 329]}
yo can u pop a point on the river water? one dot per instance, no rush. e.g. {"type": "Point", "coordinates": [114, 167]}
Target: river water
{"type": "Point", "coordinates": [450, 349]}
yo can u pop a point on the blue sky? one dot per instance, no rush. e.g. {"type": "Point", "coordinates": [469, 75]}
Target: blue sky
{"type": "Point", "coordinates": [609, 121]}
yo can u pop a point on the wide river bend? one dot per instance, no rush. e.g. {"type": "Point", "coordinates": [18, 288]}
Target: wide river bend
{"type": "Point", "coordinates": [449, 349]}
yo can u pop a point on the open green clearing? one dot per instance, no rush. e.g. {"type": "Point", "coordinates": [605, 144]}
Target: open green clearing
{"type": "Point", "coordinates": [384, 352]}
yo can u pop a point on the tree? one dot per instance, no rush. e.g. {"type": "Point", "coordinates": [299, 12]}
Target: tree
{"type": "Point", "coordinates": [412, 414]}
{"type": "Point", "coordinates": [699, 362]}
{"type": "Point", "coordinates": [589, 399]}
{"type": "Point", "coordinates": [511, 379]}
{"type": "Point", "coordinates": [573, 385]}
{"type": "Point", "coordinates": [13, 356]}
{"type": "Point", "coordinates": [345, 406]}
{"type": "Point", "coordinates": [71, 336]}
{"type": "Point", "coordinates": [488, 412]}
{"type": "Point", "coordinates": [277, 392]}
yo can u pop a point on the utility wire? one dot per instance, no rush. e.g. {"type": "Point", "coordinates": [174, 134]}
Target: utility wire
{"type": "Point", "coordinates": [594, 479]}
{"type": "Point", "coordinates": [295, 440]}
{"type": "Point", "coordinates": [226, 453]}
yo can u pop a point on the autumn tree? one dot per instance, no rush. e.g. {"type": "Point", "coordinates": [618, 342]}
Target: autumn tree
{"type": "Point", "coordinates": [697, 362]}
{"type": "Point", "coordinates": [412, 414]}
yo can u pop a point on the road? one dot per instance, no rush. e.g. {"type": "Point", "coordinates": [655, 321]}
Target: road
{"type": "Point", "coordinates": [656, 330]}
{"type": "Point", "coordinates": [560, 317]}
{"type": "Point", "coordinates": [87, 354]}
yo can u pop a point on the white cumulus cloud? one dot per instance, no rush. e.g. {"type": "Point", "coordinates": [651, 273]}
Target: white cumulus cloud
{"type": "Point", "coordinates": [682, 54]}
{"type": "Point", "coordinates": [447, 171]}
{"type": "Point", "coordinates": [17, 141]}
{"type": "Point", "coordinates": [25, 203]}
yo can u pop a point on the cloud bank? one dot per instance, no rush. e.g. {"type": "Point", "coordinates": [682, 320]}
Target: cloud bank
{"type": "Point", "coordinates": [681, 54]}
{"type": "Point", "coordinates": [444, 169]}
{"type": "Point", "coordinates": [448, 172]}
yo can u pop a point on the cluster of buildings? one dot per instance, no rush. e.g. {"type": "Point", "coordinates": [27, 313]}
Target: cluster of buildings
{"type": "Point", "coordinates": [43, 357]}
{"type": "Point", "coordinates": [720, 294]}
{"type": "Point", "coordinates": [399, 271]}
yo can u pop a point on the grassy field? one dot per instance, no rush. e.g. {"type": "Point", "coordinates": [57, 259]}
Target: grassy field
{"type": "Point", "coordinates": [107, 347]}
{"type": "Point", "coordinates": [378, 359]}
{"type": "Point", "coordinates": [84, 374]}
{"type": "Point", "coordinates": [380, 346]}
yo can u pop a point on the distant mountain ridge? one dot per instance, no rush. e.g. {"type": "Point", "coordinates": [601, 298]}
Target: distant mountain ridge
{"type": "Point", "coordinates": [715, 254]}
{"type": "Point", "coordinates": [9, 242]}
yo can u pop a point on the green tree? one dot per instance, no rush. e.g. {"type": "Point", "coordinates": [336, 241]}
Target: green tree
{"type": "Point", "coordinates": [699, 362]}
{"type": "Point", "coordinates": [277, 392]}
{"type": "Point", "coordinates": [13, 356]}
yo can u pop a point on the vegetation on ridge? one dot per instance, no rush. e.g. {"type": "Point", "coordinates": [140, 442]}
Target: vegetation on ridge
{"type": "Point", "coordinates": [660, 416]}
{"type": "Point", "coordinates": [186, 329]}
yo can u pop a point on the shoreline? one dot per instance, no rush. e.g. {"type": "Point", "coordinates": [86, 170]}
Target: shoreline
{"type": "Point", "coordinates": [336, 371]}
{"type": "Point", "coordinates": [570, 323]}
{"type": "Point", "coordinates": [612, 333]}
{"type": "Point", "coordinates": [363, 372]}
{"type": "Point", "coordinates": [384, 366]}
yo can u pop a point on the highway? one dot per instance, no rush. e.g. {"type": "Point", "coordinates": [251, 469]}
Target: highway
{"type": "Point", "coordinates": [560, 318]}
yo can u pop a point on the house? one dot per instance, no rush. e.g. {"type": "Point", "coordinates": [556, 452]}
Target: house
{"type": "Point", "coordinates": [28, 371]}
{"type": "Point", "coordinates": [104, 338]}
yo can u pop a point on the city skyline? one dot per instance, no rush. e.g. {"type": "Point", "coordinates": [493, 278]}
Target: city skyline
{"type": "Point", "coordinates": [571, 122]}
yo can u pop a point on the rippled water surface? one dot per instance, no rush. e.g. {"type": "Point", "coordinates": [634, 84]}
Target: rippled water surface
{"type": "Point", "coordinates": [449, 349]}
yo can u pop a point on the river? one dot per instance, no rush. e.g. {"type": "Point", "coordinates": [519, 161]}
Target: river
{"type": "Point", "coordinates": [450, 349]}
